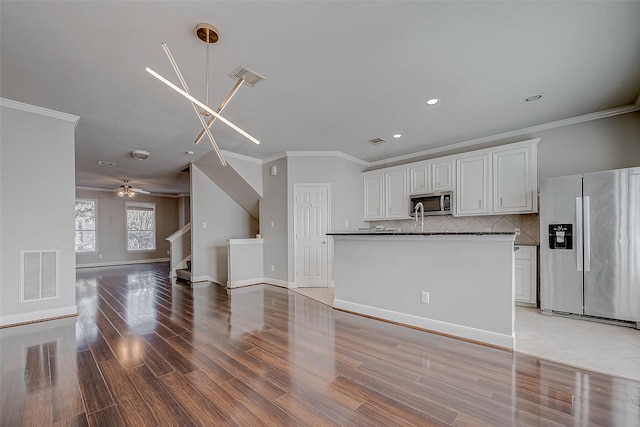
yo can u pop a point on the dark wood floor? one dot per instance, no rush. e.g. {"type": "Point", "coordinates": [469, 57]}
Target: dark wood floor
{"type": "Point", "coordinates": [143, 352]}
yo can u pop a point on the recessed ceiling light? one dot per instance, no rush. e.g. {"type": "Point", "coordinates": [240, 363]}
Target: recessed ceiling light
{"type": "Point", "coordinates": [140, 154]}
{"type": "Point", "coordinates": [191, 153]}
{"type": "Point", "coordinates": [103, 163]}
{"type": "Point", "coordinates": [533, 98]}
{"type": "Point", "coordinates": [397, 135]}
{"type": "Point", "coordinates": [433, 101]}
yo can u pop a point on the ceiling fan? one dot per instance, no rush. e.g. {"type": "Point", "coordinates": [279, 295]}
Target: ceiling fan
{"type": "Point", "coordinates": [209, 34]}
{"type": "Point", "coordinates": [127, 190]}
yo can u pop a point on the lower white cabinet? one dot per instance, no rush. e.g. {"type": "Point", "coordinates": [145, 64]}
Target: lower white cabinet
{"type": "Point", "coordinates": [525, 275]}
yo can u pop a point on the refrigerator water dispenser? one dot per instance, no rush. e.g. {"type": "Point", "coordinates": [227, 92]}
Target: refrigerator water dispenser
{"type": "Point", "coordinates": [561, 236]}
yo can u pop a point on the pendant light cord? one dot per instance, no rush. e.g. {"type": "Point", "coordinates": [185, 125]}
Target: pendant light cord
{"type": "Point", "coordinates": [207, 71]}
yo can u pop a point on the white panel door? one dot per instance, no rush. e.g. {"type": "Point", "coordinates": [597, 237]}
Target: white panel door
{"type": "Point", "coordinates": [311, 247]}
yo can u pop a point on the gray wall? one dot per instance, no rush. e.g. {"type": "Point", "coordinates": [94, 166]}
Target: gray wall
{"type": "Point", "coordinates": [112, 231]}
{"type": "Point", "coordinates": [344, 177]}
{"type": "Point", "coordinates": [273, 207]}
{"type": "Point", "coordinates": [37, 178]}
{"type": "Point", "coordinates": [224, 219]}
{"type": "Point", "coordinates": [611, 143]}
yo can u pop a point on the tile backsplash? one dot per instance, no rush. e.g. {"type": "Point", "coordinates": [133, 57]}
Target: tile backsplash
{"type": "Point", "coordinates": [529, 225]}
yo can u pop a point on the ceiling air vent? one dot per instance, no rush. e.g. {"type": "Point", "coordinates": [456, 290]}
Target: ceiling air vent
{"type": "Point", "coordinates": [376, 141]}
{"type": "Point", "coordinates": [251, 78]}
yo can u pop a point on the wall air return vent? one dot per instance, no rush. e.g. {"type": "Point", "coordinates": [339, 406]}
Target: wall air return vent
{"type": "Point", "coordinates": [251, 78]}
{"type": "Point", "coordinates": [376, 141]}
{"type": "Point", "coordinates": [38, 275]}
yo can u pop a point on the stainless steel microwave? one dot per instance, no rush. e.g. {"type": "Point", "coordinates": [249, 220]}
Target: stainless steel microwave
{"type": "Point", "coordinates": [440, 203]}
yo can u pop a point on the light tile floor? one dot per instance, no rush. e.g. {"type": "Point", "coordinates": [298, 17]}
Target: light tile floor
{"type": "Point", "coordinates": [614, 350]}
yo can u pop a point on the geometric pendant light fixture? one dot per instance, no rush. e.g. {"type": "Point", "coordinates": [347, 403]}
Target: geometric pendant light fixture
{"type": "Point", "coordinates": [209, 34]}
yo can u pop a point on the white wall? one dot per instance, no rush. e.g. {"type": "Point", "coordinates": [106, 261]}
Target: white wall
{"type": "Point", "coordinates": [224, 219]}
{"type": "Point", "coordinates": [112, 232]}
{"type": "Point", "coordinates": [273, 207]}
{"type": "Point", "coordinates": [37, 200]}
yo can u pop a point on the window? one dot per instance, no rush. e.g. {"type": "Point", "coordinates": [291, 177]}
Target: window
{"type": "Point", "coordinates": [141, 226]}
{"type": "Point", "coordinates": [86, 225]}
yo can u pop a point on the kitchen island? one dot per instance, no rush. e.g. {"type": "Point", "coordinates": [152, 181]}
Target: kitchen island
{"type": "Point", "coordinates": [458, 284]}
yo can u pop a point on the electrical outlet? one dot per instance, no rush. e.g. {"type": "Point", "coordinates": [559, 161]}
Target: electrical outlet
{"type": "Point", "coordinates": [425, 297]}
{"type": "Point", "coordinates": [169, 252]}
{"type": "Point", "coordinates": [204, 225]}
{"type": "Point", "coordinates": [273, 267]}
{"type": "Point", "coordinates": [517, 230]}
{"type": "Point", "coordinates": [346, 223]}
{"type": "Point", "coordinates": [487, 229]}
{"type": "Point", "coordinates": [273, 224]}
{"type": "Point", "coordinates": [100, 256]}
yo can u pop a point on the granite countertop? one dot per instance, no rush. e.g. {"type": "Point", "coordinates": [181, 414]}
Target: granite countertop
{"type": "Point", "coordinates": [426, 233]}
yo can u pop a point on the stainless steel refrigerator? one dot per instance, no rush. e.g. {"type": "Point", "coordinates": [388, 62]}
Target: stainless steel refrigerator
{"type": "Point", "coordinates": [590, 245]}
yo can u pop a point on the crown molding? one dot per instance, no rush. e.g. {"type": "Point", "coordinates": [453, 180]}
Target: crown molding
{"type": "Point", "coordinates": [463, 144]}
{"type": "Point", "coordinates": [9, 103]}
{"type": "Point", "coordinates": [273, 158]}
{"type": "Point", "coordinates": [518, 132]}
{"type": "Point", "coordinates": [339, 154]}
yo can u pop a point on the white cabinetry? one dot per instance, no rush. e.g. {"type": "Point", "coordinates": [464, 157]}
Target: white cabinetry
{"type": "Point", "coordinates": [430, 176]}
{"type": "Point", "coordinates": [442, 175]}
{"type": "Point", "coordinates": [373, 195]}
{"type": "Point", "coordinates": [498, 180]}
{"type": "Point", "coordinates": [525, 275]}
{"type": "Point", "coordinates": [396, 194]}
{"type": "Point", "coordinates": [385, 194]}
{"type": "Point", "coordinates": [420, 178]}
{"type": "Point", "coordinates": [473, 195]}
{"type": "Point", "coordinates": [515, 180]}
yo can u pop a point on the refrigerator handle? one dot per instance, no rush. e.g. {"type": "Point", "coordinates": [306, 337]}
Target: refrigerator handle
{"type": "Point", "coordinates": [587, 235]}
{"type": "Point", "coordinates": [579, 233]}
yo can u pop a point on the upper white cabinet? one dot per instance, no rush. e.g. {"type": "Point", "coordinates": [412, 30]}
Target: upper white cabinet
{"type": "Point", "coordinates": [385, 194]}
{"type": "Point", "coordinates": [373, 195]}
{"type": "Point", "coordinates": [420, 178]}
{"type": "Point", "coordinates": [396, 194]}
{"type": "Point", "coordinates": [431, 175]}
{"type": "Point", "coordinates": [442, 175]}
{"type": "Point", "coordinates": [515, 180]}
{"type": "Point", "coordinates": [498, 180]}
{"type": "Point", "coordinates": [473, 195]}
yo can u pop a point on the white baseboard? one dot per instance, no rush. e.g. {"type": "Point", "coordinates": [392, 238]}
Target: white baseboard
{"type": "Point", "coordinates": [480, 335]}
{"type": "Point", "coordinates": [112, 263]}
{"type": "Point", "coordinates": [205, 278]}
{"type": "Point", "coordinates": [245, 282]}
{"type": "Point", "coordinates": [38, 316]}
{"type": "Point", "coordinates": [278, 282]}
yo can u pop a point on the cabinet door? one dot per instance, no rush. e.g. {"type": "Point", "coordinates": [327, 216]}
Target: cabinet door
{"type": "Point", "coordinates": [373, 196]}
{"type": "Point", "coordinates": [473, 194]}
{"type": "Point", "coordinates": [525, 275]}
{"type": "Point", "coordinates": [514, 186]}
{"type": "Point", "coordinates": [397, 196]}
{"type": "Point", "coordinates": [420, 179]}
{"type": "Point", "coordinates": [442, 173]}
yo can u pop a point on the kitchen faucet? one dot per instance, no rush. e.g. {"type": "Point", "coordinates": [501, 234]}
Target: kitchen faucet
{"type": "Point", "coordinates": [420, 206]}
